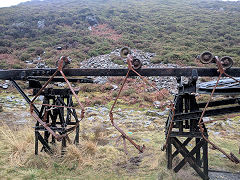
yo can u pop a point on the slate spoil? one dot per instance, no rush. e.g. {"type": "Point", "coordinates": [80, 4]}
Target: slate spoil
{"type": "Point", "coordinates": [105, 61]}
{"type": "Point", "coordinates": [213, 175]}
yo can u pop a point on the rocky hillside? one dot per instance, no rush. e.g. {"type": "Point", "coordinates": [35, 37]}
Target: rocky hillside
{"type": "Point", "coordinates": [176, 30]}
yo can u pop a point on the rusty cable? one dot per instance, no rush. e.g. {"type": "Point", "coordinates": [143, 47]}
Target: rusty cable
{"type": "Point", "coordinates": [214, 120]}
{"type": "Point", "coordinates": [230, 156]}
{"type": "Point", "coordinates": [123, 135]}
{"type": "Point", "coordinates": [170, 127]}
{"type": "Point", "coordinates": [171, 107]}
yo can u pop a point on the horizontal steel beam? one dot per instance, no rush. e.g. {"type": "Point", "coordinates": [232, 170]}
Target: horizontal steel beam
{"type": "Point", "coordinates": [23, 74]}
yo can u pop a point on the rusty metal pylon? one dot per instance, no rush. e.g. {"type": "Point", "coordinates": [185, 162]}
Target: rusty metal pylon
{"type": "Point", "coordinates": [61, 63]}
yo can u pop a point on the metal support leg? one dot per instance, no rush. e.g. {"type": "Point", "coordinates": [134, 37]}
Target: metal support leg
{"type": "Point", "coordinates": [169, 153]}
{"type": "Point", "coordinates": [205, 158]}
{"type": "Point", "coordinates": [36, 143]}
{"type": "Point", "coordinates": [198, 156]}
{"type": "Point", "coordinates": [76, 141]}
{"type": "Point", "coordinates": [44, 143]}
{"type": "Point", "coordinates": [53, 140]}
{"type": "Point", "coordinates": [64, 145]}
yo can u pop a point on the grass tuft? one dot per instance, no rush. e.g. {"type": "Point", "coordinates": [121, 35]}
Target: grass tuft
{"type": "Point", "coordinates": [18, 144]}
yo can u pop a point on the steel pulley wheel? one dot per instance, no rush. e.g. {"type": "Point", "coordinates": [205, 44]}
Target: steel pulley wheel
{"type": "Point", "coordinates": [226, 62]}
{"type": "Point", "coordinates": [66, 61]}
{"type": "Point", "coordinates": [136, 64]}
{"type": "Point", "coordinates": [124, 52]}
{"type": "Point", "coordinates": [206, 57]}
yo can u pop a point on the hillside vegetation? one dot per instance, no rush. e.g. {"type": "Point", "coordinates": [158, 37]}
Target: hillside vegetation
{"type": "Point", "coordinates": [176, 30]}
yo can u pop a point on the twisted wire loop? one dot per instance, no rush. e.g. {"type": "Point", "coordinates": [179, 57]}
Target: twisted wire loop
{"type": "Point", "coordinates": [59, 137]}
{"type": "Point", "coordinates": [123, 134]}
{"type": "Point", "coordinates": [201, 123]}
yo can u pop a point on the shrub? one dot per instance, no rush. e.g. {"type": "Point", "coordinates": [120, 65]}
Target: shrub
{"type": "Point", "coordinates": [5, 42]}
{"type": "Point", "coordinates": [92, 53]}
{"type": "Point", "coordinates": [89, 88]}
{"type": "Point", "coordinates": [31, 50]}
{"type": "Point", "coordinates": [119, 62]}
{"type": "Point", "coordinates": [97, 102]}
{"type": "Point", "coordinates": [24, 57]}
{"type": "Point", "coordinates": [116, 59]}
{"type": "Point", "coordinates": [106, 87]}
{"type": "Point", "coordinates": [17, 66]}
{"type": "Point", "coordinates": [162, 94]}
{"type": "Point", "coordinates": [39, 51]}
{"type": "Point", "coordinates": [148, 98]}
{"type": "Point", "coordinates": [114, 94]}
{"type": "Point", "coordinates": [3, 65]}
{"type": "Point", "coordinates": [5, 50]}
{"type": "Point", "coordinates": [128, 92]}
{"type": "Point", "coordinates": [51, 62]}
{"type": "Point", "coordinates": [49, 54]}
{"type": "Point", "coordinates": [157, 59]}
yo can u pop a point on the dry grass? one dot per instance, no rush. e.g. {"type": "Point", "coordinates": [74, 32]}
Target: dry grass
{"type": "Point", "coordinates": [90, 88]}
{"type": "Point", "coordinates": [148, 97]}
{"type": "Point", "coordinates": [19, 144]}
{"type": "Point", "coordinates": [163, 94]}
{"type": "Point", "coordinates": [90, 159]}
{"type": "Point", "coordinates": [87, 160]}
{"type": "Point", "coordinates": [79, 157]}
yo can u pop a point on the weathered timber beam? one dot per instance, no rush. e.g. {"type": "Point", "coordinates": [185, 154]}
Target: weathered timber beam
{"type": "Point", "coordinates": [208, 113]}
{"type": "Point", "coordinates": [21, 74]}
{"type": "Point", "coordinates": [220, 102]}
{"type": "Point", "coordinates": [61, 79]}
